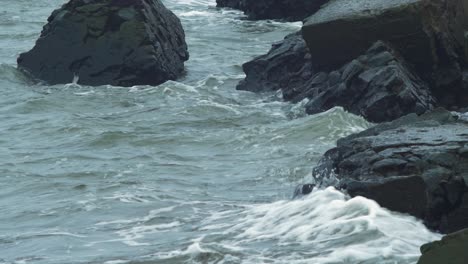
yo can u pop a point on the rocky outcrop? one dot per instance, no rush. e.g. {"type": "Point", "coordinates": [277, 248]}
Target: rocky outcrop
{"type": "Point", "coordinates": [117, 42]}
{"type": "Point", "coordinates": [291, 10]}
{"type": "Point", "coordinates": [286, 66]}
{"type": "Point", "coordinates": [377, 85]}
{"type": "Point", "coordinates": [399, 57]}
{"type": "Point", "coordinates": [430, 35]}
{"type": "Point", "coordinates": [343, 30]}
{"type": "Point", "coordinates": [452, 249]}
{"type": "Point", "coordinates": [415, 165]}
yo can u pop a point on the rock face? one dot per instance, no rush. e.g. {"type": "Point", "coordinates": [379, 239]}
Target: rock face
{"type": "Point", "coordinates": [348, 28]}
{"type": "Point", "coordinates": [430, 35]}
{"type": "Point", "coordinates": [414, 165]}
{"type": "Point", "coordinates": [287, 65]}
{"type": "Point", "coordinates": [399, 57]}
{"type": "Point", "coordinates": [377, 85]}
{"type": "Point", "coordinates": [117, 42]}
{"type": "Point", "coordinates": [292, 10]}
{"type": "Point", "coordinates": [452, 249]}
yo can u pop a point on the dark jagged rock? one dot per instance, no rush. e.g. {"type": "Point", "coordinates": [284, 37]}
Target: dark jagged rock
{"type": "Point", "coordinates": [377, 85]}
{"type": "Point", "coordinates": [117, 42]}
{"type": "Point", "coordinates": [292, 10]}
{"type": "Point", "coordinates": [286, 65]}
{"type": "Point", "coordinates": [415, 165]}
{"type": "Point", "coordinates": [430, 35]}
{"type": "Point", "coordinates": [416, 63]}
{"type": "Point", "coordinates": [452, 249]}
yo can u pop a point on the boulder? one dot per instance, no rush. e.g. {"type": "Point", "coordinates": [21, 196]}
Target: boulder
{"type": "Point", "coordinates": [420, 29]}
{"type": "Point", "coordinates": [343, 30]}
{"type": "Point", "coordinates": [116, 42]}
{"type": "Point", "coordinates": [452, 249]}
{"type": "Point", "coordinates": [291, 10]}
{"type": "Point", "coordinates": [378, 85]}
{"type": "Point", "coordinates": [286, 66]}
{"type": "Point", "coordinates": [429, 34]}
{"type": "Point", "coordinates": [414, 165]}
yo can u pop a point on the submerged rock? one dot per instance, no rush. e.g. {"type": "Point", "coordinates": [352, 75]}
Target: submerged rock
{"type": "Point", "coordinates": [415, 165]}
{"type": "Point", "coordinates": [236, 4]}
{"type": "Point", "coordinates": [303, 189]}
{"type": "Point", "coordinates": [292, 10]}
{"type": "Point", "coordinates": [117, 42]}
{"type": "Point", "coordinates": [452, 249]}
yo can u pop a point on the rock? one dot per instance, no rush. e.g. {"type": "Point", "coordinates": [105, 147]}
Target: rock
{"type": "Point", "coordinates": [452, 249]}
{"type": "Point", "coordinates": [377, 85]}
{"type": "Point", "coordinates": [116, 42]}
{"type": "Point", "coordinates": [291, 10]}
{"type": "Point", "coordinates": [414, 165]}
{"type": "Point", "coordinates": [417, 67]}
{"type": "Point", "coordinates": [303, 189]}
{"type": "Point", "coordinates": [286, 66]}
{"type": "Point", "coordinates": [347, 29]}
{"type": "Point", "coordinates": [429, 34]}
{"type": "Point", "coordinates": [236, 4]}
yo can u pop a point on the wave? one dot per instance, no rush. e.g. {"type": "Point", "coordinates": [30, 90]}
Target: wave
{"type": "Point", "coordinates": [324, 227]}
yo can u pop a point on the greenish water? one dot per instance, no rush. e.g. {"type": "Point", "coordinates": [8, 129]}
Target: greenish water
{"type": "Point", "coordinates": [187, 172]}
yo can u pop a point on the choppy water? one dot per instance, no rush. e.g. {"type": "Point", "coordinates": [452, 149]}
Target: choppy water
{"type": "Point", "coordinates": [187, 172]}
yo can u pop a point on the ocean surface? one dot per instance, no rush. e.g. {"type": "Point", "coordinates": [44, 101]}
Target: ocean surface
{"type": "Point", "coordinates": [191, 171]}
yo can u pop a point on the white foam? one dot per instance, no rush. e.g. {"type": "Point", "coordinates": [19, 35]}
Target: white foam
{"type": "Point", "coordinates": [116, 261]}
{"type": "Point", "coordinates": [195, 13]}
{"type": "Point", "coordinates": [127, 198]}
{"type": "Point", "coordinates": [335, 228]}
{"type": "Point", "coordinates": [132, 235]}
{"type": "Point", "coordinates": [151, 215]}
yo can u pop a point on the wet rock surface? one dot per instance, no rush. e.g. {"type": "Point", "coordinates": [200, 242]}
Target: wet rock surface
{"type": "Point", "coordinates": [116, 42]}
{"type": "Point", "coordinates": [378, 85]}
{"type": "Point", "coordinates": [427, 34]}
{"type": "Point", "coordinates": [450, 250]}
{"type": "Point", "coordinates": [415, 165]}
{"type": "Point", "coordinates": [287, 65]}
{"type": "Point", "coordinates": [291, 10]}
{"type": "Point", "coordinates": [348, 28]}
{"type": "Point", "coordinates": [399, 57]}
